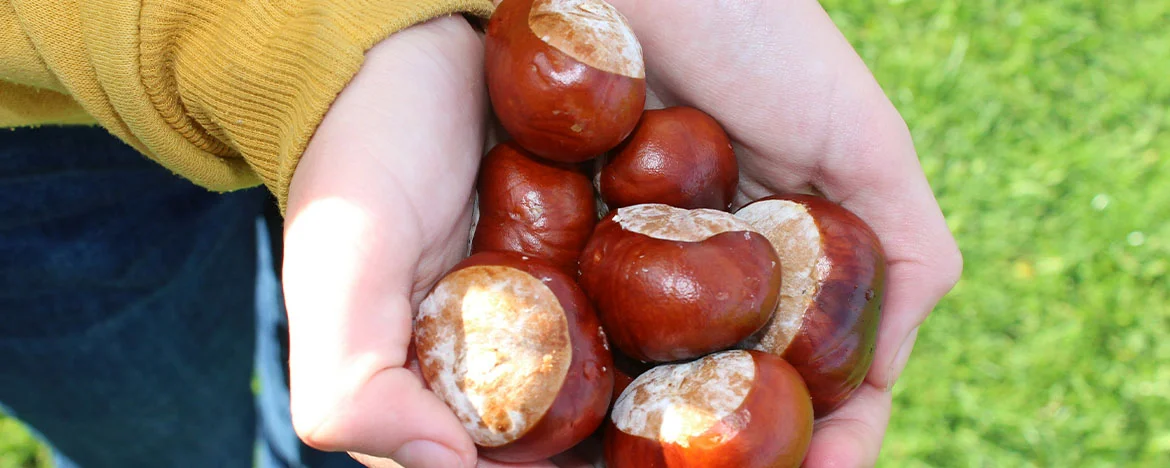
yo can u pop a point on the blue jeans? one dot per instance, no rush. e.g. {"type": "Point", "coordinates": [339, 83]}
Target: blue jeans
{"type": "Point", "coordinates": [138, 312]}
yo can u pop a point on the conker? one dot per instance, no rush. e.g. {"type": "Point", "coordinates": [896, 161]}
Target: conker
{"type": "Point", "coordinates": [679, 156]}
{"type": "Point", "coordinates": [834, 279]}
{"type": "Point", "coordinates": [734, 409]}
{"type": "Point", "coordinates": [565, 77]}
{"type": "Point", "coordinates": [532, 206]}
{"type": "Point", "coordinates": [672, 284]}
{"type": "Point", "coordinates": [513, 347]}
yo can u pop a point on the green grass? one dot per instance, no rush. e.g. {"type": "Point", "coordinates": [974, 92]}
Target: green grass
{"type": "Point", "coordinates": [18, 449]}
{"type": "Point", "coordinates": [1042, 126]}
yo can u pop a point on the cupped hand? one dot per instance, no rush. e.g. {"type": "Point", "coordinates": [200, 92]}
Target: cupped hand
{"type": "Point", "coordinates": [807, 116]}
{"type": "Point", "coordinates": [378, 210]}
{"type": "Point", "coordinates": [381, 201]}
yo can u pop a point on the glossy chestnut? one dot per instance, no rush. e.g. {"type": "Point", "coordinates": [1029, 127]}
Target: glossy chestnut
{"type": "Point", "coordinates": [512, 346]}
{"type": "Point", "coordinates": [830, 306]}
{"type": "Point", "coordinates": [533, 206]}
{"type": "Point", "coordinates": [733, 409]}
{"type": "Point", "coordinates": [678, 156]}
{"type": "Point", "coordinates": [566, 78]}
{"type": "Point", "coordinates": [672, 284]}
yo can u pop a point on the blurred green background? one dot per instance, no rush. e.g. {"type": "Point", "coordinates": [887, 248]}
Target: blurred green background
{"type": "Point", "coordinates": [1042, 126]}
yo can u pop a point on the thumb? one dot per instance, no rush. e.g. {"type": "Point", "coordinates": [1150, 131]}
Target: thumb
{"type": "Point", "coordinates": [355, 239]}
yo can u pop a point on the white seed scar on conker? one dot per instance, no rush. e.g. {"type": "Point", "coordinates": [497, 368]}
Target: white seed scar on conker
{"type": "Point", "coordinates": [675, 402]}
{"type": "Point", "coordinates": [794, 234]}
{"type": "Point", "coordinates": [591, 31]}
{"type": "Point", "coordinates": [666, 222]}
{"type": "Point", "coordinates": [497, 339]}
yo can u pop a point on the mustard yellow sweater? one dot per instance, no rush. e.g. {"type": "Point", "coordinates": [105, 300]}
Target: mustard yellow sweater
{"type": "Point", "coordinates": [225, 93]}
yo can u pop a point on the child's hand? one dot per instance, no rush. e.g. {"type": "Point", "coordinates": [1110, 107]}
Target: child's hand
{"type": "Point", "coordinates": [378, 210]}
{"type": "Point", "coordinates": [808, 116]}
{"type": "Point", "coordinates": [380, 205]}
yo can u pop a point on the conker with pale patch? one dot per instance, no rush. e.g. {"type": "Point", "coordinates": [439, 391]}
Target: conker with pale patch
{"type": "Point", "coordinates": [830, 306]}
{"type": "Point", "coordinates": [679, 156]}
{"type": "Point", "coordinates": [533, 206]}
{"type": "Point", "coordinates": [512, 346]}
{"type": "Point", "coordinates": [566, 78]}
{"type": "Point", "coordinates": [733, 409]}
{"type": "Point", "coordinates": [672, 284]}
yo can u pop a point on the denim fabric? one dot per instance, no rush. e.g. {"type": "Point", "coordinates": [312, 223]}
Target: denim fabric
{"type": "Point", "coordinates": [129, 301]}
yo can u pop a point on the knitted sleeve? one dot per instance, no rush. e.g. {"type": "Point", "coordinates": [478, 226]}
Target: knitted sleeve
{"type": "Point", "coordinates": [225, 93]}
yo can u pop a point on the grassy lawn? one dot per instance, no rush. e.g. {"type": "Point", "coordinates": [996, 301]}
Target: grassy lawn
{"type": "Point", "coordinates": [1043, 128]}
{"type": "Point", "coordinates": [17, 448]}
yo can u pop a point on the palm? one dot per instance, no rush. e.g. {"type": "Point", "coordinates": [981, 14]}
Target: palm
{"type": "Point", "coordinates": [807, 116]}
{"type": "Point", "coordinates": [379, 209]}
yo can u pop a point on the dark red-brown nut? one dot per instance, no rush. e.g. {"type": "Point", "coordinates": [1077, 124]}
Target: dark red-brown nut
{"type": "Point", "coordinates": [733, 409]}
{"type": "Point", "coordinates": [513, 347]}
{"type": "Point", "coordinates": [533, 206]}
{"type": "Point", "coordinates": [830, 306]}
{"type": "Point", "coordinates": [678, 156]}
{"type": "Point", "coordinates": [672, 284]}
{"type": "Point", "coordinates": [565, 77]}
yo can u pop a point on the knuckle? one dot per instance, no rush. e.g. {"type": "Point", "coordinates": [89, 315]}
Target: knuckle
{"type": "Point", "coordinates": [952, 269]}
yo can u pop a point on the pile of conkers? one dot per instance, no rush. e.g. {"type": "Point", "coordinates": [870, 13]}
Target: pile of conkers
{"type": "Point", "coordinates": [623, 296]}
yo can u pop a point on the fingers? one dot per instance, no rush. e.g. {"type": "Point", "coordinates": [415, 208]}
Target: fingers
{"type": "Point", "coordinates": [871, 168]}
{"type": "Point", "coordinates": [852, 436]}
{"type": "Point", "coordinates": [375, 462]}
{"type": "Point", "coordinates": [792, 92]}
{"type": "Point", "coordinates": [492, 464]}
{"type": "Point", "coordinates": [376, 203]}
{"type": "Point", "coordinates": [764, 69]}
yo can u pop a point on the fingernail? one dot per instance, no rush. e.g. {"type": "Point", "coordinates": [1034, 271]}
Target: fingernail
{"type": "Point", "coordinates": [424, 453]}
{"type": "Point", "coordinates": [900, 359]}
